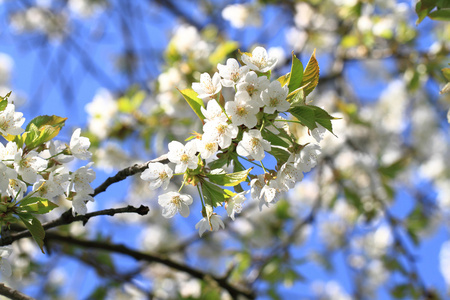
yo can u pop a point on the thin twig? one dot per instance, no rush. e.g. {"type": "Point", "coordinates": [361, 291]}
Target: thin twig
{"type": "Point", "coordinates": [234, 291]}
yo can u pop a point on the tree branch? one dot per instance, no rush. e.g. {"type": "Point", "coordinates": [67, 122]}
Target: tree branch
{"type": "Point", "coordinates": [13, 294]}
{"type": "Point", "coordinates": [67, 218]}
{"type": "Point", "coordinates": [130, 171]}
{"type": "Point", "coordinates": [152, 258]}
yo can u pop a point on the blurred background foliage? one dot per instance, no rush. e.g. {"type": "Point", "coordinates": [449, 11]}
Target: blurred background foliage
{"type": "Point", "coordinates": [371, 221]}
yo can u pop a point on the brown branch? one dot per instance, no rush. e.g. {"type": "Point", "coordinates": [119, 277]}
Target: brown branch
{"type": "Point", "coordinates": [234, 291]}
{"type": "Point", "coordinates": [127, 172]}
{"type": "Point", "coordinates": [13, 294]}
{"type": "Point", "coordinates": [67, 218]}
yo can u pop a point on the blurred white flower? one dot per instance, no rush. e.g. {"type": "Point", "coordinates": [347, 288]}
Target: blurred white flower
{"type": "Point", "coordinates": [101, 111]}
{"type": "Point", "coordinates": [242, 15]}
{"type": "Point", "coordinates": [5, 266]}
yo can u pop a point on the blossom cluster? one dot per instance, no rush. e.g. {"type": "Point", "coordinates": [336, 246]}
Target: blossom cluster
{"type": "Point", "coordinates": [243, 128]}
{"type": "Point", "coordinates": [34, 169]}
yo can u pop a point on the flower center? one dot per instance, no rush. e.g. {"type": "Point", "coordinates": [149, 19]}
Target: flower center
{"type": "Point", "coordinates": [274, 102]}
{"type": "Point", "coordinates": [221, 129]}
{"type": "Point", "coordinates": [209, 146]}
{"type": "Point", "coordinates": [184, 158]}
{"type": "Point", "coordinates": [163, 175]}
{"type": "Point", "coordinates": [251, 89]}
{"type": "Point", "coordinates": [254, 142]}
{"type": "Point", "coordinates": [241, 111]}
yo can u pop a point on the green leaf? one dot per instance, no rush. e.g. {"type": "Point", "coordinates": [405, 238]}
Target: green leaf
{"type": "Point", "coordinates": [37, 205]}
{"type": "Point", "coordinates": [401, 291]}
{"type": "Point", "coordinates": [3, 104]}
{"type": "Point", "coordinates": [131, 100]}
{"type": "Point", "coordinates": [284, 79]}
{"type": "Point", "coordinates": [42, 129]}
{"type": "Point", "coordinates": [231, 179]}
{"type": "Point", "coordinates": [42, 121]}
{"type": "Point", "coordinates": [442, 14]}
{"type": "Point", "coordinates": [194, 102]}
{"type": "Point", "coordinates": [6, 96]}
{"type": "Point", "coordinates": [309, 115]}
{"type": "Point", "coordinates": [275, 140]}
{"type": "Point", "coordinates": [215, 195]}
{"type": "Point", "coordinates": [446, 72]}
{"type": "Point", "coordinates": [311, 75]}
{"type": "Point", "coordinates": [423, 8]}
{"type": "Point", "coordinates": [35, 228]}
{"type": "Point", "coordinates": [280, 154]}
{"type": "Point", "coordinates": [296, 74]}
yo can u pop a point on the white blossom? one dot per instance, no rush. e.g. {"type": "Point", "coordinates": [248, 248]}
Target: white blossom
{"type": "Point", "coordinates": [234, 204]}
{"type": "Point", "coordinates": [213, 111]}
{"type": "Point", "coordinates": [6, 174]}
{"type": "Point", "coordinates": [259, 60]}
{"type": "Point", "coordinates": [173, 202]}
{"type": "Point", "coordinates": [242, 112]}
{"type": "Point", "coordinates": [54, 185]}
{"type": "Point", "coordinates": [253, 145]}
{"type": "Point", "coordinates": [80, 180]}
{"type": "Point", "coordinates": [11, 121]}
{"type": "Point", "coordinates": [288, 176]}
{"type": "Point", "coordinates": [318, 133]}
{"type": "Point", "coordinates": [220, 130]}
{"type": "Point", "coordinates": [8, 152]}
{"type": "Point", "coordinates": [275, 98]}
{"type": "Point", "coordinates": [307, 158]}
{"type": "Point", "coordinates": [79, 203]}
{"type": "Point", "coordinates": [28, 165]}
{"type": "Point", "coordinates": [207, 87]}
{"type": "Point", "coordinates": [17, 188]}
{"type": "Point", "coordinates": [203, 224]}
{"type": "Point", "coordinates": [79, 145]}
{"type": "Point", "coordinates": [158, 174]}
{"type": "Point", "coordinates": [265, 193]}
{"type": "Point", "coordinates": [207, 146]}
{"type": "Point", "coordinates": [231, 73]}
{"type": "Point", "coordinates": [183, 155]}
{"type": "Point", "coordinates": [254, 85]}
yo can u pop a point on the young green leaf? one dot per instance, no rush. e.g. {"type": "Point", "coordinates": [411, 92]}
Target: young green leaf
{"type": "Point", "coordinates": [194, 102]}
{"type": "Point", "coordinates": [309, 115]}
{"type": "Point", "coordinates": [310, 75]}
{"type": "Point", "coordinates": [296, 74]}
{"type": "Point", "coordinates": [213, 194]}
{"type": "Point", "coordinates": [231, 179]}
{"type": "Point", "coordinates": [35, 228]}
{"type": "Point", "coordinates": [37, 205]}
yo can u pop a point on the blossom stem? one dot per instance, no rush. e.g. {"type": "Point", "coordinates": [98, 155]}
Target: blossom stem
{"type": "Point", "coordinates": [201, 195]}
{"type": "Point", "coordinates": [182, 185]}
{"type": "Point", "coordinates": [262, 166]}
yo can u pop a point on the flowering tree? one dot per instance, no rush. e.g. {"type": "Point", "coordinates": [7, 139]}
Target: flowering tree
{"type": "Point", "coordinates": [227, 167]}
